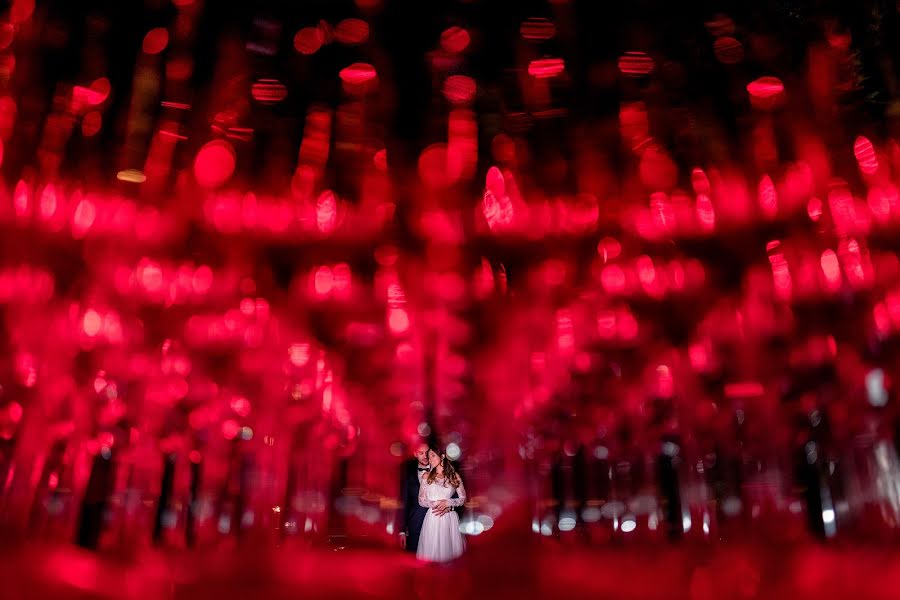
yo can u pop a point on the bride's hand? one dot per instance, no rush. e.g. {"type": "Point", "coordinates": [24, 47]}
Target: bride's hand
{"type": "Point", "coordinates": [440, 508]}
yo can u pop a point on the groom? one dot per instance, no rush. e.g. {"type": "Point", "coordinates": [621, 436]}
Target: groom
{"type": "Point", "coordinates": [411, 514]}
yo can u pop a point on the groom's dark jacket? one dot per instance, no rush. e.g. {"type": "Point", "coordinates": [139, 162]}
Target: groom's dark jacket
{"type": "Point", "coordinates": [411, 514]}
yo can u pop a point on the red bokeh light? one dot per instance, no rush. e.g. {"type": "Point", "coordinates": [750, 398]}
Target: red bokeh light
{"type": "Point", "coordinates": [613, 279]}
{"type": "Point", "coordinates": [728, 50]}
{"type": "Point", "coordinates": [180, 68]}
{"type": "Point", "coordinates": [7, 34]}
{"type": "Point", "coordinates": [155, 41]}
{"type": "Point", "coordinates": [459, 89]}
{"type": "Point", "coordinates": [308, 40]}
{"type": "Point", "coordinates": [268, 91]}
{"type": "Point", "coordinates": [358, 73]}
{"type": "Point", "coordinates": [351, 31]}
{"type": "Point", "coordinates": [768, 197]}
{"type": "Point", "coordinates": [8, 112]}
{"type": "Point", "coordinates": [609, 249]}
{"type": "Point", "coordinates": [398, 320]}
{"type": "Point", "coordinates": [91, 123]}
{"type": "Point", "coordinates": [880, 202]}
{"type": "Point", "coordinates": [100, 89]}
{"type": "Point", "coordinates": [706, 214]}
{"type": "Point", "coordinates": [21, 10]}
{"type": "Point", "coordinates": [765, 89]}
{"type": "Point", "coordinates": [14, 409]}
{"type": "Point", "coordinates": [865, 155]}
{"type": "Point", "coordinates": [657, 170]}
{"type": "Point", "coordinates": [202, 280]}
{"type": "Point", "coordinates": [546, 67]}
{"type": "Point", "coordinates": [455, 40]}
{"type": "Point", "coordinates": [720, 24]}
{"type": "Point", "coordinates": [323, 281]}
{"type": "Point", "coordinates": [831, 269]}
{"type": "Point", "coordinates": [814, 209]}
{"type": "Point", "coordinates": [380, 160]}
{"type": "Point", "coordinates": [230, 429]}
{"type": "Point", "coordinates": [95, 94]}
{"type": "Point", "coordinates": [326, 212]}
{"type": "Point", "coordinates": [298, 354]}
{"type": "Point", "coordinates": [240, 405]}
{"type": "Point", "coordinates": [92, 323]}
{"type": "Point", "coordinates": [215, 163]}
{"type": "Point", "coordinates": [537, 29]}
{"type": "Point", "coordinates": [342, 278]}
{"type": "Point", "coordinates": [440, 166]}
{"type": "Point", "coordinates": [636, 64]}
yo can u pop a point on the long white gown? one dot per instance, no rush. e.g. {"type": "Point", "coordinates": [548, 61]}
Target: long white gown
{"type": "Point", "coordinates": [441, 539]}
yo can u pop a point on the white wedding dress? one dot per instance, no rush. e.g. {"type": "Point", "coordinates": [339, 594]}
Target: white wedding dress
{"type": "Point", "coordinates": [441, 539]}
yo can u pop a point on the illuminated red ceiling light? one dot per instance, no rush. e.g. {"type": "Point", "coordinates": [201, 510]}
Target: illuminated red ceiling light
{"type": "Point", "coordinates": [91, 123]}
{"type": "Point", "coordinates": [95, 94]}
{"type": "Point", "coordinates": [768, 197]}
{"type": "Point", "coordinates": [214, 164]}
{"type": "Point", "coordinates": [323, 281]}
{"type": "Point", "coordinates": [380, 160]}
{"type": "Point", "coordinates": [537, 29]}
{"type": "Point", "coordinates": [609, 249]}
{"type": "Point", "coordinates": [459, 89]}
{"type": "Point", "coordinates": [358, 73]}
{"type": "Point", "coordinates": [155, 41]}
{"type": "Point", "coordinates": [765, 92]}
{"type": "Point", "coordinates": [831, 269]}
{"type": "Point", "coordinates": [814, 209]}
{"type": "Point", "coordinates": [745, 389]}
{"type": "Point", "coordinates": [636, 64]}
{"type": "Point", "coordinates": [865, 155]}
{"type": "Point", "coordinates": [398, 320]}
{"type": "Point", "coordinates": [308, 40]}
{"type": "Point", "coordinates": [455, 40]}
{"type": "Point", "coordinates": [546, 67]}
{"type": "Point", "coordinates": [326, 212]}
{"type": "Point", "coordinates": [91, 323]}
{"type": "Point", "coordinates": [351, 31]}
{"type": "Point", "coordinates": [728, 50]}
{"type": "Point", "coordinates": [268, 91]}
{"type": "Point", "coordinates": [765, 87]}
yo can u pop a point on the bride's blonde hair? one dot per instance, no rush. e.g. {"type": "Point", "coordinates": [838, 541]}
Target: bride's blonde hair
{"type": "Point", "coordinates": [450, 474]}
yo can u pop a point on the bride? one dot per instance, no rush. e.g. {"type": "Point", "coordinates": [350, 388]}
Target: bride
{"type": "Point", "coordinates": [440, 539]}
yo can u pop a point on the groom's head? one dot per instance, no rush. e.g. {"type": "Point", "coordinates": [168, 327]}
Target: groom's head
{"type": "Point", "coordinates": [421, 453]}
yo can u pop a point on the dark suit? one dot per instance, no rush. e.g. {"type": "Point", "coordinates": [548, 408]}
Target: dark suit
{"type": "Point", "coordinates": [411, 514]}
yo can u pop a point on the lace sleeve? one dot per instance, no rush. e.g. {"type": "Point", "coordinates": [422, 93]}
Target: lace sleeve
{"type": "Point", "coordinates": [461, 492]}
{"type": "Point", "coordinates": [423, 497]}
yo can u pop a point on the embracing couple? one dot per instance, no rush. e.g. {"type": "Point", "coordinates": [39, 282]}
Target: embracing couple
{"type": "Point", "coordinates": [431, 490]}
